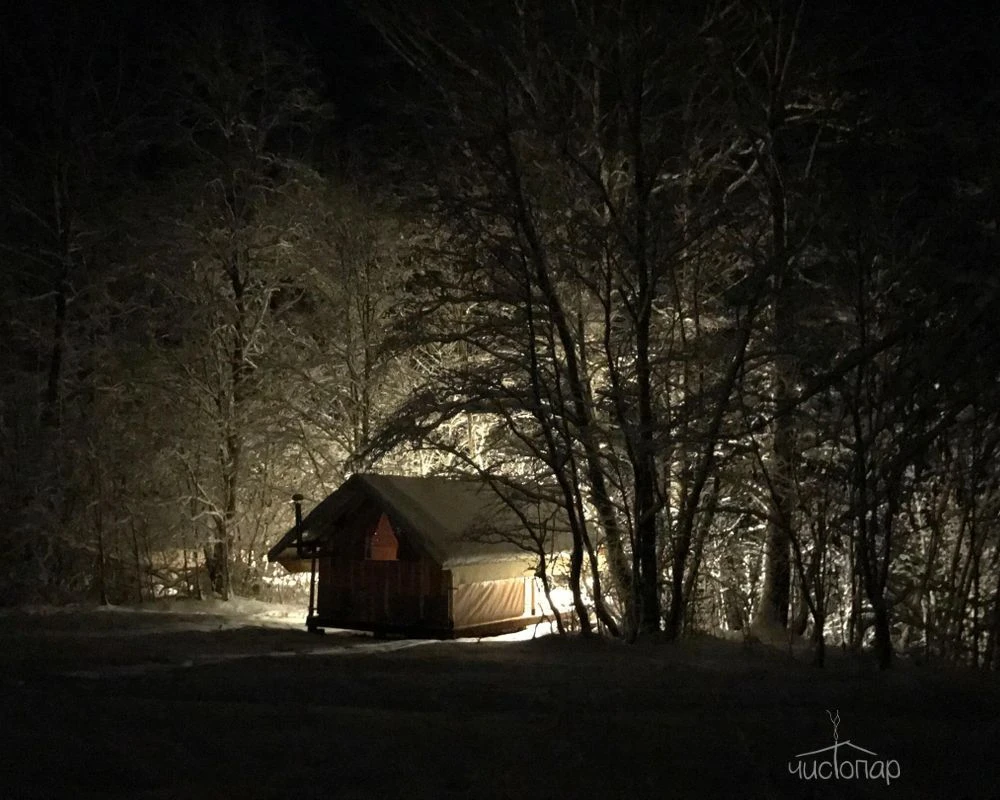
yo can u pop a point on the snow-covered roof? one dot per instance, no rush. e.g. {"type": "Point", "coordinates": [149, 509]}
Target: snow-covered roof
{"type": "Point", "coordinates": [455, 521]}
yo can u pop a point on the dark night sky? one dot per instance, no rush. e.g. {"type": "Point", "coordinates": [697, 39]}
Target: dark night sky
{"type": "Point", "coordinates": [359, 69]}
{"type": "Point", "coordinates": [911, 50]}
{"type": "Point", "coordinates": [930, 71]}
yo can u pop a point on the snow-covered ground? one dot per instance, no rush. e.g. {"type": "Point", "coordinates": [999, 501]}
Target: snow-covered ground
{"type": "Point", "coordinates": [187, 615]}
{"type": "Point", "coordinates": [83, 622]}
{"type": "Point", "coordinates": [237, 700]}
{"type": "Point", "coordinates": [167, 615]}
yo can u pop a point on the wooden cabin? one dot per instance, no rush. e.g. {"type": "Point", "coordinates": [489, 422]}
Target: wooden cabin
{"type": "Point", "coordinates": [422, 556]}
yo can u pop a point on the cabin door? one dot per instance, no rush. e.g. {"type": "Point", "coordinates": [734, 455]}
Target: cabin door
{"type": "Point", "coordinates": [392, 595]}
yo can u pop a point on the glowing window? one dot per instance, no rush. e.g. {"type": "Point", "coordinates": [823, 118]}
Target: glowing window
{"type": "Point", "coordinates": [382, 544]}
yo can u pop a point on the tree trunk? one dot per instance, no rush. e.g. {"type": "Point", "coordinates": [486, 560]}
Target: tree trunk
{"type": "Point", "coordinates": [799, 621]}
{"type": "Point", "coordinates": [874, 588]}
{"type": "Point", "coordinates": [772, 611]}
{"type": "Point", "coordinates": [648, 574]}
{"type": "Point", "coordinates": [102, 579]}
{"type": "Point", "coordinates": [138, 562]}
{"type": "Point", "coordinates": [575, 573]}
{"type": "Point", "coordinates": [992, 657]}
{"type": "Point", "coordinates": [50, 410]}
{"type": "Point", "coordinates": [686, 521]}
{"type": "Point", "coordinates": [883, 633]}
{"type": "Point", "coordinates": [543, 574]}
{"type": "Point", "coordinates": [819, 643]}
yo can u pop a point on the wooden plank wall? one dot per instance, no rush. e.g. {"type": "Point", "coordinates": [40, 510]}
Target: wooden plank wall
{"type": "Point", "coordinates": [382, 592]}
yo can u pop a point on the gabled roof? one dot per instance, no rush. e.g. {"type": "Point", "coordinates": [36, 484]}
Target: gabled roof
{"type": "Point", "coordinates": [455, 521]}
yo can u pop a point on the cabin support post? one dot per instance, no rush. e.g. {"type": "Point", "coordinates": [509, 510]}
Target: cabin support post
{"type": "Point", "coordinates": [312, 594]}
{"type": "Point", "coordinates": [300, 550]}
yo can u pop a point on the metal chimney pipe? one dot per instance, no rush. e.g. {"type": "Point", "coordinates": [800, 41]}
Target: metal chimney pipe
{"type": "Point", "coordinates": [297, 500]}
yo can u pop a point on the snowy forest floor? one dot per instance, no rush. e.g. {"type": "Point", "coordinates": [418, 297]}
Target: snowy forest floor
{"type": "Point", "coordinates": [202, 701]}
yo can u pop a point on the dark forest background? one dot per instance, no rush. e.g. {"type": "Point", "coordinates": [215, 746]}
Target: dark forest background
{"type": "Point", "coordinates": [720, 279]}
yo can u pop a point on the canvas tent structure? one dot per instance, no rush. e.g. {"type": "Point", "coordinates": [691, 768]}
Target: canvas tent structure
{"type": "Point", "coordinates": [424, 556]}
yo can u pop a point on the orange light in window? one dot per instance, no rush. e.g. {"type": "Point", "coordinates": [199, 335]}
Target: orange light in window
{"type": "Point", "coordinates": [383, 544]}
